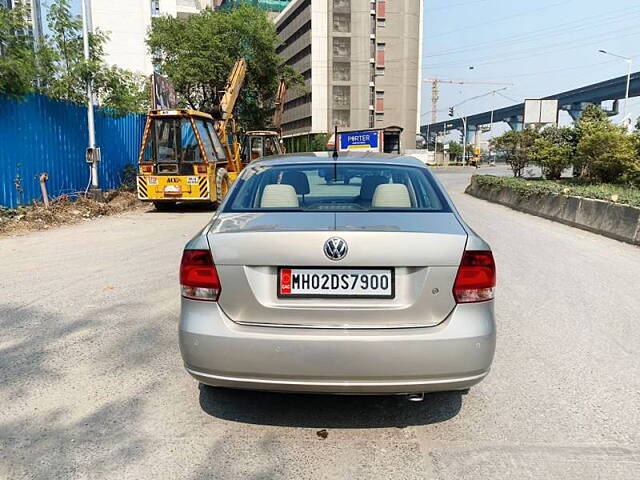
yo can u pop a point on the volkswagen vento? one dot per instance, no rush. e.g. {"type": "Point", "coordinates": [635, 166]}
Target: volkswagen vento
{"type": "Point", "coordinates": [349, 275]}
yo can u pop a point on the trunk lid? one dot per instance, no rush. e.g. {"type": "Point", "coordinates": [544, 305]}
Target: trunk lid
{"type": "Point", "coordinates": [423, 249]}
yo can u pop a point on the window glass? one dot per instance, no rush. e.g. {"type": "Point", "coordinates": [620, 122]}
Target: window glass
{"type": "Point", "coordinates": [190, 151]}
{"type": "Point", "coordinates": [270, 147]}
{"type": "Point", "coordinates": [256, 148]}
{"type": "Point", "coordinates": [329, 187]}
{"type": "Point", "coordinates": [206, 140]}
{"type": "Point", "coordinates": [217, 144]}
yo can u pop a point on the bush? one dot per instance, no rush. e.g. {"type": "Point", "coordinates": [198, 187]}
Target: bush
{"type": "Point", "coordinates": [606, 155]}
{"type": "Point", "coordinates": [516, 146]}
{"type": "Point", "coordinates": [553, 158]}
{"type": "Point", "coordinates": [623, 194]}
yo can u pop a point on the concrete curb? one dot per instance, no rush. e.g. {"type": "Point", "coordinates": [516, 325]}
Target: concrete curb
{"type": "Point", "coordinates": [621, 222]}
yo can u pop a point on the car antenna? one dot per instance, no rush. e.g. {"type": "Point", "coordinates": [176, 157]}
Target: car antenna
{"type": "Point", "coordinates": [335, 154]}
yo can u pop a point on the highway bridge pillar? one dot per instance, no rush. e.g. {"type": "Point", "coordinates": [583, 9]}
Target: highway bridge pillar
{"type": "Point", "coordinates": [516, 123]}
{"type": "Point", "coordinates": [575, 109]}
{"type": "Point", "coordinates": [472, 133]}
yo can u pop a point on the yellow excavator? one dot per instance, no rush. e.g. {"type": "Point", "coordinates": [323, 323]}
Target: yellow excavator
{"type": "Point", "coordinates": [263, 143]}
{"type": "Point", "coordinates": [191, 156]}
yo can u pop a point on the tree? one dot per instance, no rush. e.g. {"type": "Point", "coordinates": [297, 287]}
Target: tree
{"type": "Point", "coordinates": [516, 146]}
{"type": "Point", "coordinates": [17, 65]}
{"type": "Point", "coordinates": [198, 53]}
{"type": "Point", "coordinates": [555, 150]}
{"type": "Point", "coordinates": [455, 151]}
{"type": "Point", "coordinates": [607, 155]}
{"type": "Point", "coordinates": [552, 157]}
{"type": "Point", "coordinates": [64, 70]}
{"type": "Point", "coordinates": [57, 68]}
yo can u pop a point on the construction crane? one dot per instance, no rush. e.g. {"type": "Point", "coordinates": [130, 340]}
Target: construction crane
{"type": "Point", "coordinates": [435, 91]}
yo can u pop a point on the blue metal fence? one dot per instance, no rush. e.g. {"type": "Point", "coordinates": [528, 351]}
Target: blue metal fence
{"type": "Point", "coordinates": [38, 135]}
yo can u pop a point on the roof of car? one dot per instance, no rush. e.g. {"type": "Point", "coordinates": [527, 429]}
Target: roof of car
{"type": "Point", "coordinates": [344, 157]}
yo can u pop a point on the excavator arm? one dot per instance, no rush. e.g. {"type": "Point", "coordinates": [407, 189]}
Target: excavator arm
{"type": "Point", "coordinates": [225, 126]}
{"type": "Point", "coordinates": [279, 104]}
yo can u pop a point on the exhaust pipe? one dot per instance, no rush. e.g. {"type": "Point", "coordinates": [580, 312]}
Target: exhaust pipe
{"type": "Point", "coordinates": [415, 397]}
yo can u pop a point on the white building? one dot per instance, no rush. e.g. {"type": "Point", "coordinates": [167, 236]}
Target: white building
{"type": "Point", "coordinates": [127, 23]}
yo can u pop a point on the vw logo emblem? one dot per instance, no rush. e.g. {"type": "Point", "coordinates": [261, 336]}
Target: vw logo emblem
{"type": "Point", "coordinates": [335, 248]}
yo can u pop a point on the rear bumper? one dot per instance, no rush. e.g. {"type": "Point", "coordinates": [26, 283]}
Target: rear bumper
{"type": "Point", "coordinates": [454, 355]}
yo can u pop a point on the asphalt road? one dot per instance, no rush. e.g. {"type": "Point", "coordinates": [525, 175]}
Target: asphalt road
{"type": "Point", "coordinates": [92, 385]}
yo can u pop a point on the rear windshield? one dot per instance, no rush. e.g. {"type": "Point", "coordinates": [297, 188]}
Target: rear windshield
{"type": "Point", "coordinates": [340, 187]}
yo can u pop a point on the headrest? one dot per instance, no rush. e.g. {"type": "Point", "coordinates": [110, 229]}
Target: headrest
{"type": "Point", "coordinates": [279, 196]}
{"type": "Point", "coordinates": [297, 180]}
{"type": "Point", "coordinates": [369, 184]}
{"type": "Point", "coordinates": [391, 195]}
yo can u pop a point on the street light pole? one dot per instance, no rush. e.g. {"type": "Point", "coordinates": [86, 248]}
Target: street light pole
{"type": "Point", "coordinates": [629, 61]}
{"type": "Point", "coordinates": [91, 156]}
{"type": "Point", "coordinates": [464, 140]}
{"type": "Point", "coordinates": [626, 98]}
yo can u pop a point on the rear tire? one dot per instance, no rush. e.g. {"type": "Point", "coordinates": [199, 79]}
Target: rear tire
{"type": "Point", "coordinates": [222, 185]}
{"type": "Point", "coordinates": [164, 206]}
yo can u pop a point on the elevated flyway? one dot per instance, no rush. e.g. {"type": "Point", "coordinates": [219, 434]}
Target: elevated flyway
{"type": "Point", "coordinates": [573, 101]}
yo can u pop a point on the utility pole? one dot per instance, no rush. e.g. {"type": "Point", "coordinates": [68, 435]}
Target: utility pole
{"type": "Point", "coordinates": [93, 153]}
{"type": "Point", "coordinates": [435, 96]}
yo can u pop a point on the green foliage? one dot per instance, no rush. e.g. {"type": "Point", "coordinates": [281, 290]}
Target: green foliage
{"type": "Point", "coordinates": [552, 157]}
{"type": "Point", "coordinates": [455, 151]}
{"type": "Point", "coordinates": [57, 67]}
{"type": "Point", "coordinates": [516, 146]}
{"type": "Point", "coordinates": [66, 71]}
{"type": "Point", "coordinates": [606, 155]}
{"type": "Point", "coordinates": [197, 54]}
{"type": "Point", "coordinates": [17, 65]}
{"type": "Point", "coordinates": [623, 194]}
{"type": "Point", "coordinates": [561, 136]}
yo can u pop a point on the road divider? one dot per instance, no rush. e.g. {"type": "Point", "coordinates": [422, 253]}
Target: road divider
{"type": "Point", "coordinates": [621, 222]}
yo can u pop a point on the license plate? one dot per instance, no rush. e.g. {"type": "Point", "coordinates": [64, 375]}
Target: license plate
{"type": "Point", "coordinates": [342, 283]}
{"type": "Point", "coordinates": [173, 189]}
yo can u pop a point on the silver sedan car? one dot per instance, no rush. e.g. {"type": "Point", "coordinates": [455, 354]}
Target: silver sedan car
{"type": "Point", "coordinates": [353, 275]}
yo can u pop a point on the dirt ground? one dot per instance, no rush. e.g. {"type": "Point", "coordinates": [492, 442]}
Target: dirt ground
{"type": "Point", "coordinates": [64, 210]}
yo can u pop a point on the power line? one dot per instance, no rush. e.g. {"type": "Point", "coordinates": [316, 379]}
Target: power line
{"type": "Point", "coordinates": [566, 69]}
{"type": "Point", "coordinates": [462, 4]}
{"type": "Point", "coordinates": [545, 49]}
{"type": "Point", "coordinates": [502, 19]}
{"type": "Point", "coordinates": [547, 32]}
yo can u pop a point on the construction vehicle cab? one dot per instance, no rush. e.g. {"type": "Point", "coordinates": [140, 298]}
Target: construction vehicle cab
{"type": "Point", "coordinates": [188, 156]}
{"type": "Point", "coordinates": [260, 143]}
{"type": "Point", "coordinates": [263, 143]}
{"type": "Point", "coordinates": [180, 159]}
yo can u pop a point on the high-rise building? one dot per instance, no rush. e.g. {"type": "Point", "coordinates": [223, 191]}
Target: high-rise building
{"type": "Point", "coordinates": [361, 61]}
{"type": "Point", "coordinates": [34, 16]}
{"type": "Point", "coordinates": [127, 22]}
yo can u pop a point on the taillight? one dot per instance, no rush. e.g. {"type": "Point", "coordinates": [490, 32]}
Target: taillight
{"type": "Point", "coordinates": [201, 169]}
{"type": "Point", "coordinates": [147, 168]}
{"type": "Point", "coordinates": [198, 276]}
{"type": "Point", "coordinates": [476, 277]}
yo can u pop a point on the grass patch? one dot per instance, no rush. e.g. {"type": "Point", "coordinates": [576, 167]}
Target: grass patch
{"type": "Point", "coordinates": [624, 194]}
